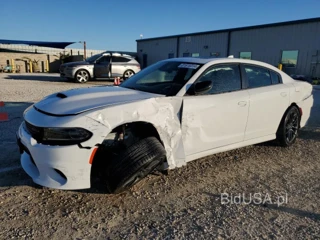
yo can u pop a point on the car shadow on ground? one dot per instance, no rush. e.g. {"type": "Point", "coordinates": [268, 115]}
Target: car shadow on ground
{"type": "Point", "coordinates": [16, 177]}
{"type": "Point", "coordinates": [40, 77]}
{"type": "Point", "coordinates": [293, 211]}
{"type": "Point", "coordinates": [48, 78]}
{"type": "Point", "coordinates": [11, 173]}
{"type": "Point", "coordinates": [310, 134]}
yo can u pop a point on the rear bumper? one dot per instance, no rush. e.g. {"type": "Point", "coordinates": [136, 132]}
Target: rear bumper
{"type": "Point", "coordinates": [306, 106]}
{"type": "Point", "coordinates": [60, 167]}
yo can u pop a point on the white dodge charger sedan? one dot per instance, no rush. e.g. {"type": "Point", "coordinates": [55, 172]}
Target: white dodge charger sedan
{"type": "Point", "coordinates": [170, 113]}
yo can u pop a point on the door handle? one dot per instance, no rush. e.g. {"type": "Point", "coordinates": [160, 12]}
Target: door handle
{"type": "Point", "coordinates": [242, 103]}
{"type": "Point", "coordinates": [283, 94]}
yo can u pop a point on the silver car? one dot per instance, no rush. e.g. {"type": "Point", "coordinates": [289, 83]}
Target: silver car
{"type": "Point", "coordinates": [104, 65]}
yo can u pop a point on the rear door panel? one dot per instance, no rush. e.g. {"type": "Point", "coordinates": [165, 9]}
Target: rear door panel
{"type": "Point", "coordinates": [269, 99]}
{"type": "Point", "coordinates": [267, 106]}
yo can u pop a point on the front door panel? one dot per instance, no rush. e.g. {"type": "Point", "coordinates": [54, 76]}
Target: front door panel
{"type": "Point", "coordinates": [102, 67]}
{"type": "Point", "coordinates": [212, 121]}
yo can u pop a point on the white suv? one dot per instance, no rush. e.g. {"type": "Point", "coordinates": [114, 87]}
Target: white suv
{"type": "Point", "coordinates": [105, 65]}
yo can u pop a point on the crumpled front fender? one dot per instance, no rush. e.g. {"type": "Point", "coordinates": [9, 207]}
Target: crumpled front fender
{"type": "Point", "coordinates": [163, 113]}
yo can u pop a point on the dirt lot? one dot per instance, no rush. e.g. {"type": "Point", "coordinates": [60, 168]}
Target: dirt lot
{"type": "Point", "coordinates": [184, 204]}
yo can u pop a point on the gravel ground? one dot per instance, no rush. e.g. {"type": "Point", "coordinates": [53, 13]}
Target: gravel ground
{"type": "Point", "coordinates": [186, 203]}
{"type": "Point", "coordinates": [33, 87]}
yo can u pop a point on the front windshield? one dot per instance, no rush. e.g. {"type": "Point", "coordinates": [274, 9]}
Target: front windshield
{"type": "Point", "coordinates": [166, 77]}
{"type": "Point", "coordinates": [93, 58]}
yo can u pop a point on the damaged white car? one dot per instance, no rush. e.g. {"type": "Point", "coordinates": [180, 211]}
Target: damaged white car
{"type": "Point", "coordinates": [172, 112]}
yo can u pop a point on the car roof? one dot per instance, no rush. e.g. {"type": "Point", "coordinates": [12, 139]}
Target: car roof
{"type": "Point", "coordinates": [221, 60]}
{"type": "Point", "coordinates": [118, 55]}
{"type": "Point", "coordinates": [192, 60]}
{"type": "Point", "coordinates": [207, 60]}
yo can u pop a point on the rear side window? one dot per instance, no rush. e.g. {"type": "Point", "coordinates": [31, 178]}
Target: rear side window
{"type": "Point", "coordinates": [257, 76]}
{"type": "Point", "coordinates": [120, 59]}
{"type": "Point", "coordinates": [275, 77]}
{"type": "Point", "coordinates": [225, 78]}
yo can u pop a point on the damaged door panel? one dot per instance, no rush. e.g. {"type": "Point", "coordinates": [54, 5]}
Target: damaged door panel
{"type": "Point", "coordinates": [213, 121]}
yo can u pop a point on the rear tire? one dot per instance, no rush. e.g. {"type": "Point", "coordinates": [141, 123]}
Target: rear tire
{"type": "Point", "coordinates": [134, 163]}
{"type": "Point", "coordinates": [289, 126]}
{"type": "Point", "coordinates": [127, 74]}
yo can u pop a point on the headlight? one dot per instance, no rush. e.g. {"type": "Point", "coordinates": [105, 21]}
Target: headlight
{"type": "Point", "coordinates": [58, 136]}
{"type": "Point", "coordinates": [65, 136]}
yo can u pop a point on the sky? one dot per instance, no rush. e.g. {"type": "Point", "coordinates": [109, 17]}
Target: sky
{"type": "Point", "coordinates": [116, 25]}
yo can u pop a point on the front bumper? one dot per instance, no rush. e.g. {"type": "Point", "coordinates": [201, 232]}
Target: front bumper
{"type": "Point", "coordinates": [68, 73]}
{"type": "Point", "coordinates": [60, 167]}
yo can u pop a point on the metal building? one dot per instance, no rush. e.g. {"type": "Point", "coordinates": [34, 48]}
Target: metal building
{"type": "Point", "coordinates": [294, 44]}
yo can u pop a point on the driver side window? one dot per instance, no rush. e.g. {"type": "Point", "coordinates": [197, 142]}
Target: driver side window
{"type": "Point", "coordinates": [104, 59]}
{"type": "Point", "coordinates": [224, 78]}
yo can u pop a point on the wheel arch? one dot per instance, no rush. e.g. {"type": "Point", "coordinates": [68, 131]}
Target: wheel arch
{"type": "Point", "coordinates": [293, 104]}
{"type": "Point", "coordinates": [129, 69]}
{"type": "Point", "coordinates": [148, 127]}
{"type": "Point", "coordinates": [98, 163]}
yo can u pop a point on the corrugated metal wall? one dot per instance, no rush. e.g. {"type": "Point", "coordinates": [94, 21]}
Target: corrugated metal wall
{"type": "Point", "coordinates": [156, 50]}
{"type": "Point", "coordinates": [204, 44]}
{"type": "Point", "coordinates": [267, 44]}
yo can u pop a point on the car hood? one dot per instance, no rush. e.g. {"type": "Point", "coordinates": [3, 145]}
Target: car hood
{"type": "Point", "coordinates": [77, 101]}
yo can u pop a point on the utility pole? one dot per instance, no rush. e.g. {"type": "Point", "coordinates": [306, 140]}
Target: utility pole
{"type": "Point", "coordinates": [84, 49]}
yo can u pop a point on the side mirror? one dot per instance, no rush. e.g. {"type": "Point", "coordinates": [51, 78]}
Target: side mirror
{"type": "Point", "coordinates": [202, 87]}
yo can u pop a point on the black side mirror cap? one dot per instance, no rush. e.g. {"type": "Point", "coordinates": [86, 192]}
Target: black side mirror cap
{"type": "Point", "coordinates": [202, 87]}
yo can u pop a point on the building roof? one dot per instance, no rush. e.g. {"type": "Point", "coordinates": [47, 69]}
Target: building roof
{"type": "Point", "coordinates": [309, 20]}
{"type": "Point", "coordinates": [37, 43]}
